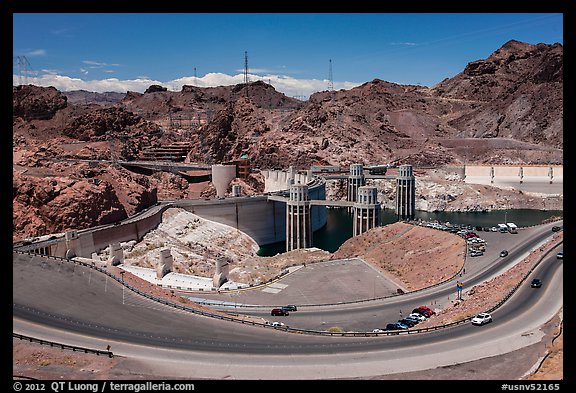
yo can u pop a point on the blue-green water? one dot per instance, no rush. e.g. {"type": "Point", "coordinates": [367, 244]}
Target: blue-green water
{"type": "Point", "coordinates": [338, 226]}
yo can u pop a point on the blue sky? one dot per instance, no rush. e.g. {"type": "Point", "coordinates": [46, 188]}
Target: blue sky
{"type": "Point", "coordinates": [292, 51]}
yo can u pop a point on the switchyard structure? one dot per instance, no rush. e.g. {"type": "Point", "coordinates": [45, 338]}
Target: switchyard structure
{"type": "Point", "coordinates": [366, 210]}
{"type": "Point", "coordinates": [298, 218]}
{"type": "Point", "coordinates": [405, 193]}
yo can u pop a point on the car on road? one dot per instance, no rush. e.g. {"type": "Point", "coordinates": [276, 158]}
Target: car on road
{"type": "Point", "coordinates": [290, 307]}
{"type": "Point", "coordinates": [504, 253]}
{"type": "Point", "coordinates": [555, 228]}
{"type": "Point", "coordinates": [482, 319]}
{"type": "Point", "coordinates": [536, 283]}
{"type": "Point", "coordinates": [279, 311]}
{"type": "Point", "coordinates": [417, 316]}
{"type": "Point", "coordinates": [560, 255]}
{"type": "Point", "coordinates": [378, 331]}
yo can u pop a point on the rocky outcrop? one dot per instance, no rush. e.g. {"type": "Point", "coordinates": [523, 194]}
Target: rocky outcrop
{"type": "Point", "coordinates": [77, 197]}
{"type": "Point", "coordinates": [518, 94]}
{"type": "Point", "coordinates": [32, 102]}
{"type": "Point", "coordinates": [155, 88]}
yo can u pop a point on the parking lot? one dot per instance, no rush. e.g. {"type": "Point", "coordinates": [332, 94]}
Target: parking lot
{"type": "Point", "coordinates": [318, 283]}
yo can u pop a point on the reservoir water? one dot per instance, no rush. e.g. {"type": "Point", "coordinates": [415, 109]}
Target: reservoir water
{"type": "Point", "coordinates": [338, 226]}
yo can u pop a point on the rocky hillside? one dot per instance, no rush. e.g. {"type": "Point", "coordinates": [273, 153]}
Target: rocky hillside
{"type": "Point", "coordinates": [507, 108]}
{"type": "Point", "coordinates": [517, 91]}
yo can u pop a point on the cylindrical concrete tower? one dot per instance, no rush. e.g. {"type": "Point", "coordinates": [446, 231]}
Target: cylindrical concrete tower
{"type": "Point", "coordinates": [222, 175]}
{"type": "Point", "coordinates": [405, 193]}
{"type": "Point", "coordinates": [298, 219]}
{"type": "Point", "coordinates": [356, 180]}
{"type": "Point", "coordinates": [366, 210]}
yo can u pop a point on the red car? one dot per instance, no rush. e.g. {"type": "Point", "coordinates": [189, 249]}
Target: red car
{"type": "Point", "coordinates": [424, 311]}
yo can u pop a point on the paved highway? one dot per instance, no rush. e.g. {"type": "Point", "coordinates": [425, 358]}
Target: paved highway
{"type": "Point", "coordinates": [367, 315]}
{"type": "Point", "coordinates": [82, 307]}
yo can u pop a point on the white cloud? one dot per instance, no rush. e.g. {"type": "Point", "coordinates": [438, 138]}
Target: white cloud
{"type": "Point", "coordinates": [291, 87]}
{"type": "Point", "coordinates": [36, 52]}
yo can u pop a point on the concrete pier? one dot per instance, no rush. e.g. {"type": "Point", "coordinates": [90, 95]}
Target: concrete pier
{"type": "Point", "coordinates": [405, 193]}
{"type": "Point", "coordinates": [165, 263]}
{"type": "Point", "coordinates": [298, 219]}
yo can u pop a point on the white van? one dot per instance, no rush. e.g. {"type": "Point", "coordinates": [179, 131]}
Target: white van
{"type": "Point", "coordinates": [512, 228]}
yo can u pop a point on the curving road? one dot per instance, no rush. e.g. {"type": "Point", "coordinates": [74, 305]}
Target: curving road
{"type": "Point", "coordinates": [83, 307]}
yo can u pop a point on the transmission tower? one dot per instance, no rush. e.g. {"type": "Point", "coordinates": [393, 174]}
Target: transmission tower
{"type": "Point", "coordinates": [246, 67]}
{"type": "Point", "coordinates": [22, 62]}
{"type": "Point", "coordinates": [330, 80]}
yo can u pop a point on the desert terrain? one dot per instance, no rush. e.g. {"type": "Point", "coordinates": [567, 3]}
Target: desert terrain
{"type": "Point", "coordinates": [505, 109]}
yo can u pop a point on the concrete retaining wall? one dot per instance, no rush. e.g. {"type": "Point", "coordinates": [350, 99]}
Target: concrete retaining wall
{"type": "Point", "coordinates": [513, 173]}
{"type": "Point", "coordinates": [262, 220]}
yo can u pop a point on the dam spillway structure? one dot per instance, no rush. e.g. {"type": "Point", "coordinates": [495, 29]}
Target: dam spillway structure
{"type": "Point", "coordinates": [405, 193]}
{"type": "Point", "coordinates": [298, 218]}
{"type": "Point", "coordinates": [356, 180]}
{"type": "Point", "coordinates": [366, 210]}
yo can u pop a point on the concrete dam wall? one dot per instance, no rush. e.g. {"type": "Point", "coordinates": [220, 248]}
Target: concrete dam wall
{"type": "Point", "coordinates": [262, 219]}
{"type": "Point", "coordinates": [259, 218]}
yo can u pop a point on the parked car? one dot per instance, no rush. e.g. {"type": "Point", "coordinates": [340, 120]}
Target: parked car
{"type": "Point", "coordinates": [290, 307]}
{"type": "Point", "coordinates": [401, 325]}
{"type": "Point", "coordinates": [417, 316]}
{"type": "Point", "coordinates": [555, 229]}
{"type": "Point", "coordinates": [503, 253]}
{"type": "Point", "coordinates": [414, 320]}
{"type": "Point", "coordinates": [493, 229]}
{"type": "Point", "coordinates": [277, 324]}
{"type": "Point", "coordinates": [279, 311]}
{"type": "Point", "coordinates": [482, 319]}
{"type": "Point", "coordinates": [560, 255]}
{"type": "Point", "coordinates": [536, 283]}
{"type": "Point", "coordinates": [408, 322]}
{"type": "Point", "coordinates": [378, 331]}
{"type": "Point", "coordinates": [396, 326]}
{"type": "Point", "coordinates": [427, 312]}
{"type": "Point", "coordinates": [476, 253]}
